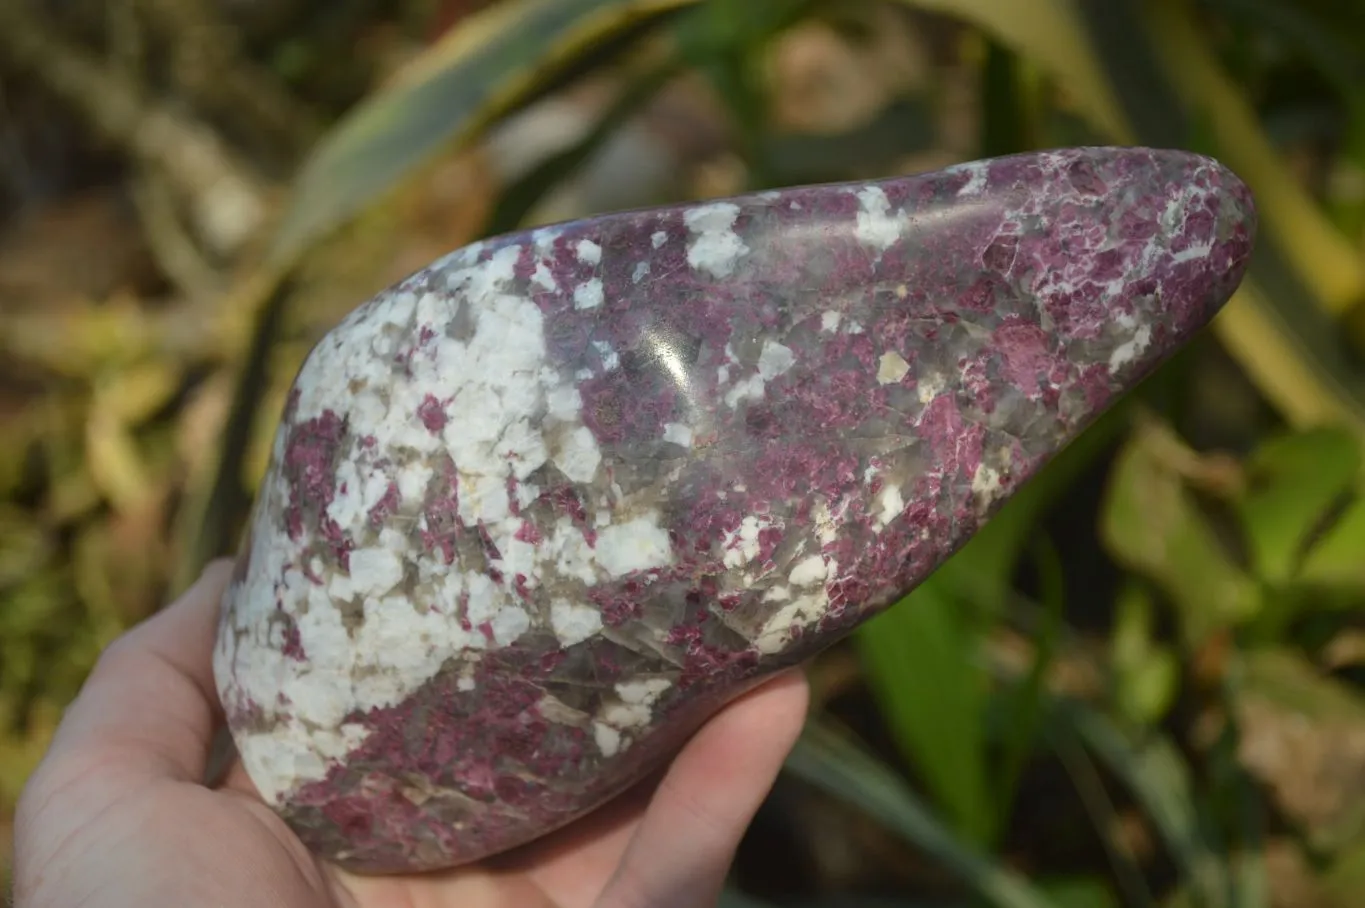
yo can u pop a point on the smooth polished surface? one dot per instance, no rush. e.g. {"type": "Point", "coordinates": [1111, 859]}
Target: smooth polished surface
{"type": "Point", "coordinates": [537, 511]}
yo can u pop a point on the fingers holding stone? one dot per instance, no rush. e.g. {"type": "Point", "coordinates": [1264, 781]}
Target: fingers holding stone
{"type": "Point", "coordinates": [682, 849]}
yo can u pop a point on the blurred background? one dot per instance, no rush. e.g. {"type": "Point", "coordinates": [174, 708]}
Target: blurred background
{"type": "Point", "coordinates": [1142, 685]}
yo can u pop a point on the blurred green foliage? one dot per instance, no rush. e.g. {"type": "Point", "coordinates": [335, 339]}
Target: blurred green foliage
{"type": "Point", "coordinates": [1169, 617]}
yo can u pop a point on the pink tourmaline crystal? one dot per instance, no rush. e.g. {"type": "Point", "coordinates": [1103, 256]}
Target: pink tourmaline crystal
{"type": "Point", "coordinates": [540, 509]}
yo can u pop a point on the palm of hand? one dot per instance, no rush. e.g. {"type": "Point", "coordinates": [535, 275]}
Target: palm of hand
{"type": "Point", "coordinates": [116, 814]}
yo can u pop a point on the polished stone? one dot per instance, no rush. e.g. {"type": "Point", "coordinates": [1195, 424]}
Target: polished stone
{"type": "Point", "coordinates": [538, 510]}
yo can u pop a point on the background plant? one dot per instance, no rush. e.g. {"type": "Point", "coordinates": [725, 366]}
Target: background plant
{"type": "Point", "coordinates": [1140, 685]}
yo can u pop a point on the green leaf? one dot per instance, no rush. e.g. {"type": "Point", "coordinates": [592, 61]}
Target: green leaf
{"type": "Point", "coordinates": [1320, 256]}
{"type": "Point", "coordinates": [519, 199]}
{"type": "Point", "coordinates": [828, 759]}
{"type": "Point", "coordinates": [982, 572]}
{"type": "Point", "coordinates": [1130, 642]}
{"type": "Point", "coordinates": [726, 41]}
{"type": "Point", "coordinates": [1151, 524]}
{"type": "Point", "coordinates": [1280, 337]}
{"type": "Point", "coordinates": [488, 66]}
{"type": "Point", "coordinates": [1004, 122]}
{"type": "Point", "coordinates": [1330, 43]}
{"type": "Point", "coordinates": [733, 898]}
{"type": "Point", "coordinates": [1322, 47]}
{"type": "Point", "coordinates": [1247, 870]}
{"type": "Point", "coordinates": [1163, 783]}
{"type": "Point", "coordinates": [1344, 879]}
{"type": "Point", "coordinates": [1049, 33]}
{"type": "Point", "coordinates": [1027, 699]}
{"type": "Point", "coordinates": [1099, 808]}
{"type": "Point", "coordinates": [902, 128]}
{"type": "Point", "coordinates": [1080, 892]}
{"type": "Point", "coordinates": [1147, 689]}
{"type": "Point", "coordinates": [1280, 324]}
{"type": "Point", "coordinates": [1239, 803]}
{"type": "Point", "coordinates": [1293, 481]}
{"type": "Point", "coordinates": [1338, 558]}
{"type": "Point", "coordinates": [1145, 672]}
{"type": "Point", "coordinates": [920, 661]}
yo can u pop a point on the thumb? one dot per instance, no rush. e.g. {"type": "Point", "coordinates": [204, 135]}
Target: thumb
{"type": "Point", "coordinates": [150, 704]}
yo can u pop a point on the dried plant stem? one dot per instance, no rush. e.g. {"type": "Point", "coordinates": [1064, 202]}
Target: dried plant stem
{"type": "Point", "coordinates": [227, 200]}
{"type": "Point", "coordinates": [210, 67]}
{"type": "Point", "coordinates": [175, 251]}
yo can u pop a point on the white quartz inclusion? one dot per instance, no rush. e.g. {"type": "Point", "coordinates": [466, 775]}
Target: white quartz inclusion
{"type": "Point", "coordinates": [877, 226]}
{"type": "Point", "coordinates": [714, 246]}
{"type": "Point", "coordinates": [507, 412]}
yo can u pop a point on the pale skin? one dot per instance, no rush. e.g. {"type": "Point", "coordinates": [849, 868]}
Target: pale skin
{"type": "Point", "coordinates": [117, 814]}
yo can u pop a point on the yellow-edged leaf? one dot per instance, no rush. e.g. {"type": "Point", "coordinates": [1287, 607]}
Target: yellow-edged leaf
{"type": "Point", "coordinates": [483, 69]}
{"type": "Point", "coordinates": [1285, 349]}
{"type": "Point", "coordinates": [115, 461]}
{"type": "Point", "coordinates": [1338, 559]}
{"type": "Point", "coordinates": [1323, 258]}
{"type": "Point", "coordinates": [1152, 525]}
{"type": "Point", "coordinates": [1282, 365]}
{"type": "Point", "coordinates": [136, 393]}
{"type": "Point", "coordinates": [495, 21]}
{"type": "Point", "coordinates": [1049, 33]}
{"type": "Point", "coordinates": [1294, 482]}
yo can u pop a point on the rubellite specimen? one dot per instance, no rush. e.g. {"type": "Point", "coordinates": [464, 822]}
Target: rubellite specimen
{"type": "Point", "coordinates": [536, 512]}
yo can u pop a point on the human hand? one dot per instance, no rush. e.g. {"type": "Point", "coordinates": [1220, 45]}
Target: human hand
{"type": "Point", "coordinates": [117, 813]}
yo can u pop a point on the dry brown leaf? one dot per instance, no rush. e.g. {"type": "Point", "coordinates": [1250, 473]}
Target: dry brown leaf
{"type": "Point", "coordinates": [1303, 737]}
{"type": "Point", "coordinates": [117, 466]}
{"type": "Point", "coordinates": [133, 395]}
{"type": "Point", "coordinates": [86, 247]}
{"type": "Point", "coordinates": [200, 427]}
{"type": "Point", "coordinates": [136, 557]}
{"type": "Point", "coordinates": [1345, 649]}
{"type": "Point", "coordinates": [1291, 880]}
{"type": "Point", "coordinates": [821, 82]}
{"type": "Point", "coordinates": [436, 213]}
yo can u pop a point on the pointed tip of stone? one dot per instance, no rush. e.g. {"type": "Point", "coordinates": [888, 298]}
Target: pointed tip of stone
{"type": "Point", "coordinates": [1206, 215]}
{"type": "Point", "coordinates": [1121, 254]}
{"type": "Point", "coordinates": [1218, 228]}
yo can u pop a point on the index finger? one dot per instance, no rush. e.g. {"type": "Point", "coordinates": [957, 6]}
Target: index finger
{"type": "Point", "coordinates": [680, 852]}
